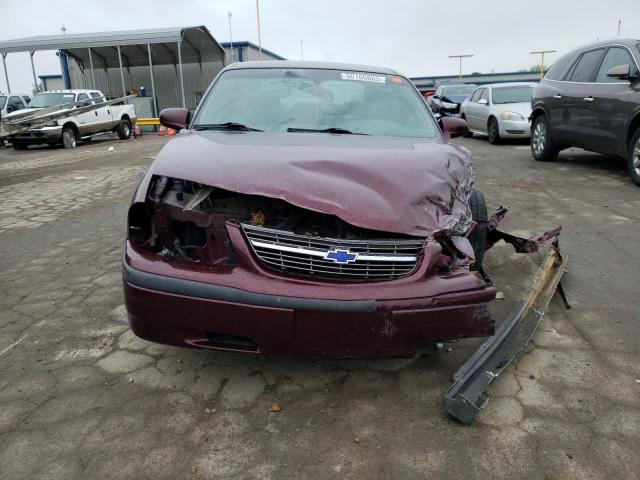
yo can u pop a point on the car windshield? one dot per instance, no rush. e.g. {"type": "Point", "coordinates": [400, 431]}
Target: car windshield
{"type": "Point", "coordinates": [303, 99]}
{"type": "Point", "coordinates": [3, 100]}
{"type": "Point", "coordinates": [512, 94]}
{"type": "Point", "coordinates": [42, 100]}
{"type": "Point", "coordinates": [458, 90]}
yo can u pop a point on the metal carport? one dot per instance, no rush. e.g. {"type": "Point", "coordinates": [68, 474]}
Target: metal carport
{"type": "Point", "coordinates": [100, 58]}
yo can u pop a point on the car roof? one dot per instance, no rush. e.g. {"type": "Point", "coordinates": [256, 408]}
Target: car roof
{"type": "Point", "coordinates": [315, 65]}
{"type": "Point", "coordinates": [631, 43]}
{"type": "Point", "coordinates": [14, 94]}
{"type": "Point", "coordinates": [509, 84]}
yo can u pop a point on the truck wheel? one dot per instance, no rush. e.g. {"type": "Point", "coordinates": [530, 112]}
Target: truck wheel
{"type": "Point", "coordinates": [124, 130]}
{"type": "Point", "coordinates": [68, 137]}
{"type": "Point", "coordinates": [493, 131]}
{"type": "Point", "coordinates": [543, 148]}
{"type": "Point", "coordinates": [478, 237]}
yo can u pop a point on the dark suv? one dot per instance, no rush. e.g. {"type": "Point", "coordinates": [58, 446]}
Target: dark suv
{"type": "Point", "coordinates": [590, 98]}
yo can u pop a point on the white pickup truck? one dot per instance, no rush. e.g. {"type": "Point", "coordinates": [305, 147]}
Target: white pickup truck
{"type": "Point", "coordinates": [70, 129]}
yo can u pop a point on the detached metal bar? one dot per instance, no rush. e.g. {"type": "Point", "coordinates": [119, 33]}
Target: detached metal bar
{"type": "Point", "coordinates": [467, 394]}
{"type": "Point", "coordinates": [93, 78]}
{"type": "Point", "coordinates": [6, 74]}
{"type": "Point", "coordinates": [124, 89]}
{"type": "Point", "coordinates": [33, 71]}
{"type": "Point", "coordinates": [181, 77]}
{"type": "Point", "coordinates": [153, 83]}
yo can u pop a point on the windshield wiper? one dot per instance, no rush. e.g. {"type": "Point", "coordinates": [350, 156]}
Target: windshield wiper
{"type": "Point", "coordinates": [325, 130]}
{"type": "Point", "coordinates": [225, 126]}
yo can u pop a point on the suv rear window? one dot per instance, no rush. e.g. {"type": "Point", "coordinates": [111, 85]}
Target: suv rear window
{"type": "Point", "coordinates": [585, 69]}
{"type": "Point", "coordinates": [559, 68]}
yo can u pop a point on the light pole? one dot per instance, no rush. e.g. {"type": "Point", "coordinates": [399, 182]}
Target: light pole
{"type": "Point", "coordinates": [301, 50]}
{"type": "Point", "coordinates": [541, 53]}
{"type": "Point", "coordinates": [259, 39]}
{"type": "Point", "coordinates": [460, 57]}
{"type": "Point", "coordinates": [230, 36]}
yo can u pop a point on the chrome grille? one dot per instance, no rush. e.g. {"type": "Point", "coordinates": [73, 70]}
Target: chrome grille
{"type": "Point", "coordinates": [306, 255]}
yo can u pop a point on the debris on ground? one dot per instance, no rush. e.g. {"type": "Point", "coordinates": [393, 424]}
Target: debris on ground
{"type": "Point", "coordinates": [357, 440]}
{"type": "Point", "coordinates": [499, 295]}
{"type": "Point", "coordinates": [110, 149]}
{"type": "Point", "coordinates": [275, 408]}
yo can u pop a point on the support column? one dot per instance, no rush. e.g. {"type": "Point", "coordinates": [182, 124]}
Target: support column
{"type": "Point", "coordinates": [6, 74]}
{"type": "Point", "coordinates": [33, 71]}
{"type": "Point", "coordinates": [153, 83]}
{"type": "Point", "coordinates": [124, 89]}
{"type": "Point", "coordinates": [181, 77]}
{"type": "Point", "coordinates": [93, 78]}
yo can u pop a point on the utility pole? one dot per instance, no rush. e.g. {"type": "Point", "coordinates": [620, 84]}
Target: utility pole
{"type": "Point", "coordinates": [63, 29]}
{"type": "Point", "coordinates": [259, 39]}
{"type": "Point", "coordinates": [541, 53]}
{"type": "Point", "coordinates": [619, 26]}
{"type": "Point", "coordinates": [460, 57]}
{"type": "Point", "coordinates": [301, 50]}
{"type": "Point", "coordinates": [230, 36]}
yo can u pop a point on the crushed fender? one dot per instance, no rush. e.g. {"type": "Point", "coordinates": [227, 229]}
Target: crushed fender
{"type": "Point", "coordinates": [467, 394]}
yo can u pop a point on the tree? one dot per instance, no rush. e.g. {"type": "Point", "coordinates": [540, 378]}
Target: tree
{"type": "Point", "coordinates": [536, 68]}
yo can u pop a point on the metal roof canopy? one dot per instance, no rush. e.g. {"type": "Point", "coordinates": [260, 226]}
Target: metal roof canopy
{"type": "Point", "coordinates": [198, 45]}
{"type": "Point", "coordinates": [128, 48]}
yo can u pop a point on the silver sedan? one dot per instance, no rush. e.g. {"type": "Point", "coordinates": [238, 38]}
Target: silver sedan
{"type": "Point", "coordinates": [499, 110]}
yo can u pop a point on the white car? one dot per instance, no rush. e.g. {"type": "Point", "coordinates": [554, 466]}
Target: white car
{"type": "Point", "coordinates": [10, 102]}
{"type": "Point", "coordinates": [70, 129]}
{"type": "Point", "coordinates": [499, 110]}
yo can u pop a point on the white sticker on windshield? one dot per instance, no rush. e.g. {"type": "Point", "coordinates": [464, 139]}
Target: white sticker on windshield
{"type": "Point", "coordinates": [363, 77]}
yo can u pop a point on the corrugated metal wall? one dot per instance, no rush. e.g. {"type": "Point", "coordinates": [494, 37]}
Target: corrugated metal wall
{"type": "Point", "coordinates": [166, 78]}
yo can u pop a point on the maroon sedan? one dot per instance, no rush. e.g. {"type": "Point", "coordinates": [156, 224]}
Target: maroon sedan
{"type": "Point", "coordinates": [309, 209]}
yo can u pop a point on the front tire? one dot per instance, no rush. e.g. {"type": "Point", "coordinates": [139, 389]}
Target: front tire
{"type": "Point", "coordinates": [124, 130]}
{"type": "Point", "coordinates": [478, 237]}
{"type": "Point", "coordinates": [69, 138]}
{"type": "Point", "coordinates": [543, 147]}
{"type": "Point", "coordinates": [633, 158]}
{"type": "Point", "coordinates": [493, 131]}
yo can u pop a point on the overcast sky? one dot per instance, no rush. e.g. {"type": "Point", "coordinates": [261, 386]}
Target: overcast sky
{"type": "Point", "coordinates": [413, 36]}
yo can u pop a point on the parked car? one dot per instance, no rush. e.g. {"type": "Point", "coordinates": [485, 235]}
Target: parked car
{"type": "Point", "coordinates": [67, 131]}
{"type": "Point", "coordinates": [449, 96]}
{"type": "Point", "coordinates": [308, 209]}
{"type": "Point", "coordinates": [10, 102]}
{"type": "Point", "coordinates": [500, 110]}
{"type": "Point", "coordinates": [590, 98]}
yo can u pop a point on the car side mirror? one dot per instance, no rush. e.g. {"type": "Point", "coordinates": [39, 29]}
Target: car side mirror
{"type": "Point", "coordinates": [453, 126]}
{"type": "Point", "coordinates": [176, 118]}
{"type": "Point", "coordinates": [622, 72]}
{"type": "Point", "coordinates": [436, 96]}
{"type": "Point", "coordinates": [483, 101]}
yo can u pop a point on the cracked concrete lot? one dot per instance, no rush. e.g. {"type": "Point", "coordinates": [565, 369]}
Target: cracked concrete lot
{"type": "Point", "coordinates": [82, 397]}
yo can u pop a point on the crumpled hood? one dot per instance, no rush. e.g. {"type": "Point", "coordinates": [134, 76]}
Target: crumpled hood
{"type": "Point", "coordinates": [412, 186]}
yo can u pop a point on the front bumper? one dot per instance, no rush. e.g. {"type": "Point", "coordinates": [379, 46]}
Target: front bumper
{"type": "Point", "coordinates": [39, 135]}
{"type": "Point", "coordinates": [250, 309]}
{"type": "Point", "coordinates": [515, 128]}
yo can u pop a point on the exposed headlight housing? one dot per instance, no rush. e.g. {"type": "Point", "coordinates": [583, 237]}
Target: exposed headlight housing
{"type": "Point", "coordinates": [450, 106]}
{"type": "Point", "coordinates": [511, 116]}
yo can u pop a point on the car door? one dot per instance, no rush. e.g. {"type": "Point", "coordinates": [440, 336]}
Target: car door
{"type": "Point", "coordinates": [483, 109]}
{"type": "Point", "coordinates": [578, 123]}
{"type": "Point", "coordinates": [85, 120]}
{"type": "Point", "coordinates": [610, 107]}
{"type": "Point", "coordinates": [102, 115]}
{"type": "Point", "coordinates": [470, 108]}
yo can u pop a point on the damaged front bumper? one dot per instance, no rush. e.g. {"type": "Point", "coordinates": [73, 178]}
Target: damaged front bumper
{"type": "Point", "coordinates": [467, 395]}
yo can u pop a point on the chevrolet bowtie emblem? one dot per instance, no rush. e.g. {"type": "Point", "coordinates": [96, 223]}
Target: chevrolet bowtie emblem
{"type": "Point", "coordinates": [341, 256]}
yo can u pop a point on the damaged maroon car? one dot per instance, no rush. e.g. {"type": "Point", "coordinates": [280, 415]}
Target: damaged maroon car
{"type": "Point", "coordinates": [310, 209]}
